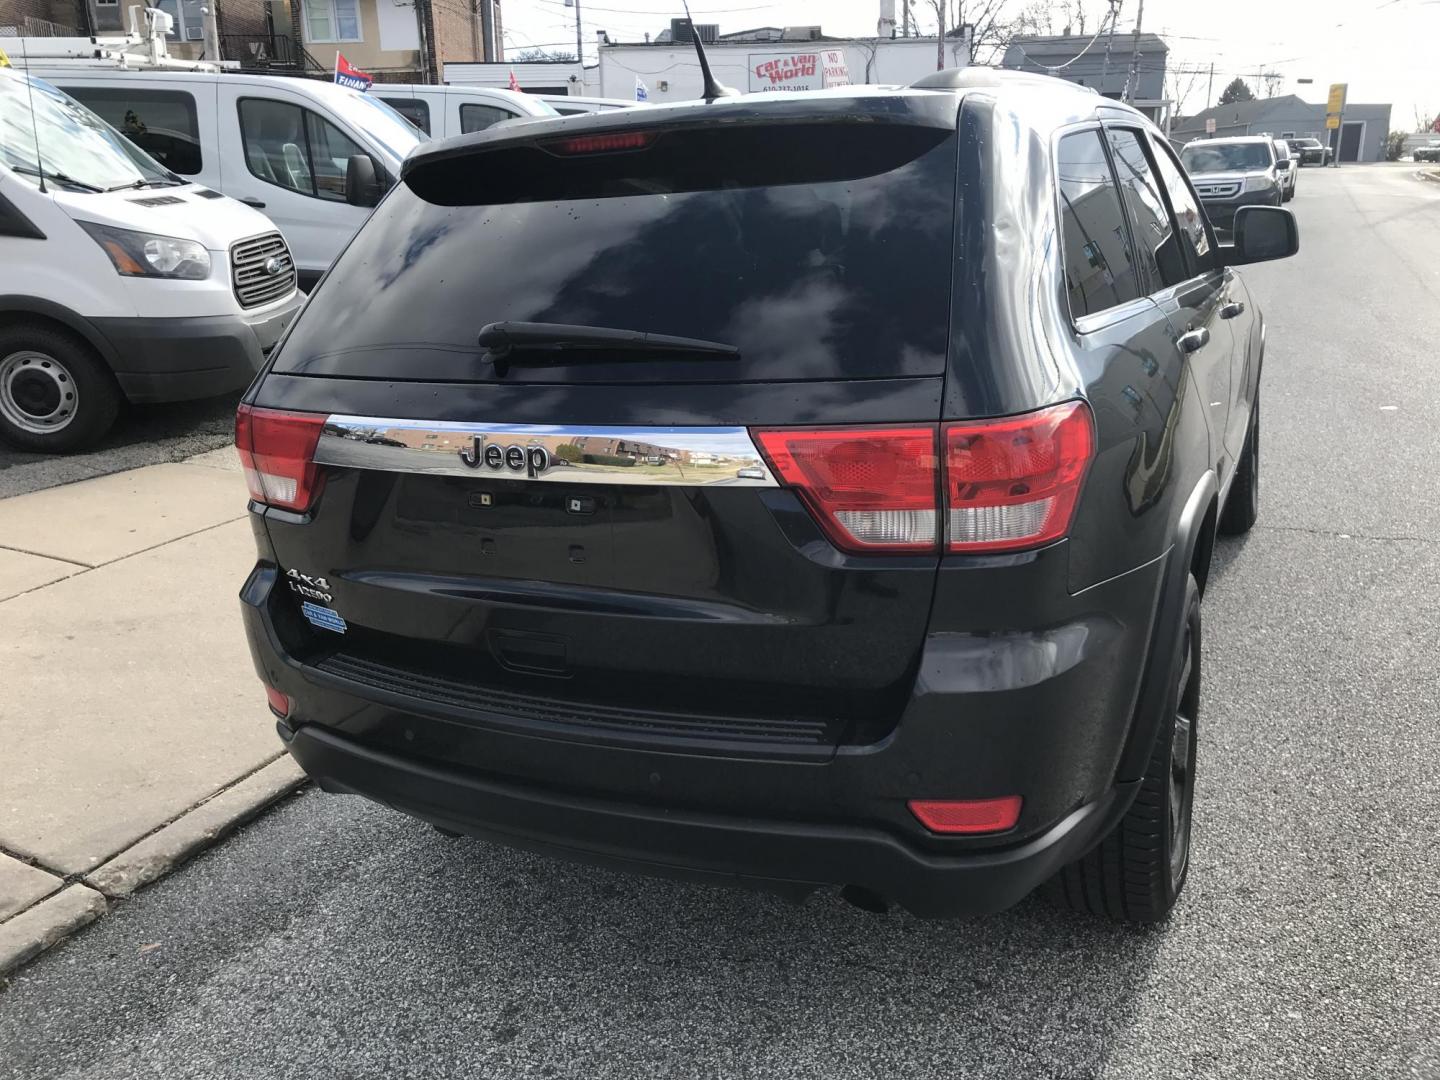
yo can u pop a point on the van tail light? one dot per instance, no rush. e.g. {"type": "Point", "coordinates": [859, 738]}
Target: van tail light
{"type": "Point", "coordinates": [967, 816]}
{"type": "Point", "coordinates": [871, 489]}
{"type": "Point", "coordinates": [993, 485]}
{"type": "Point", "coordinates": [277, 452]}
{"type": "Point", "coordinates": [1013, 483]}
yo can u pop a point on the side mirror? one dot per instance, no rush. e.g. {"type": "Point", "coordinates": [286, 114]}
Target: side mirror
{"type": "Point", "coordinates": [362, 183]}
{"type": "Point", "coordinates": [1262, 233]}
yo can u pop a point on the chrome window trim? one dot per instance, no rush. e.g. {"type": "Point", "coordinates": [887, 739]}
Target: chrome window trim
{"type": "Point", "coordinates": [663, 456]}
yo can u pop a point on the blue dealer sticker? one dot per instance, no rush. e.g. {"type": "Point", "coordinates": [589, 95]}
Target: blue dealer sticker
{"type": "Point", "coordinates": [323, 617]}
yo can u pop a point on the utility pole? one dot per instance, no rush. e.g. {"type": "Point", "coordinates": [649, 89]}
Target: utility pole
{"type": "Point", "coordinates": [1109, 43]}
{"type": "Point", "coordinates": [580, 34]}
{"type": "Point", "coordinates": [1134, 76]}
{"type": "Point", "coordinates": [1210, 86]}
{"type": "Point", "coordinates": [905, 18]}
{"type": "Point", "coordinates": [211, 29]}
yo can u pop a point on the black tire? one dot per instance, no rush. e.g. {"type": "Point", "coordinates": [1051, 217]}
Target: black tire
{"type": "Point", "coordinates": [1136, 873]}
{"type": "Point", "coordinates": [1242, 505]}
{"type": "Point", "coordinates": [56, 395]}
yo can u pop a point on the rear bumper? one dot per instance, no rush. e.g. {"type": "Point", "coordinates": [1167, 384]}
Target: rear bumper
{"type": "Point", "coordinates": [787, 857]}
{"type": "Point", "coordinates": [158, 360]}
{"type": "Point", "coordinates": [1043, 713]}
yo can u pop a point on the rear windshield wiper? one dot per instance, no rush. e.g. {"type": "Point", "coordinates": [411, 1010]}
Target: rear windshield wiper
{"type": "Point", "coordinates": [509, 343]}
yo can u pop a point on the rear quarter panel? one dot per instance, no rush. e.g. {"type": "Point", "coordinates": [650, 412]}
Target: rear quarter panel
{"type": "Point", "coordinates": [1014, 347]}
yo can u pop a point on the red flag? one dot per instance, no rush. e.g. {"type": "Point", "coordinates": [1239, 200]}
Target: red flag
{"type": "Point", "coordinates": [347, 74]}
{"type": "Point", "coordinates": [514, 82]}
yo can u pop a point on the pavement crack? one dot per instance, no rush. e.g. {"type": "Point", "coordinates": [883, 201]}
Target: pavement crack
{"type": "Point", "coordinates": [42, 555]}
{"type": "Point", "coordinates": [173, 540]}
{"type": "Point", "coordinates": [1351, 534]}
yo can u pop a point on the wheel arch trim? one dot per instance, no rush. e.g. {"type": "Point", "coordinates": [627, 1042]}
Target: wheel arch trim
{"type": "Point", "coordinates": [47, 309]}
{"type": "Point", "coordinates": [1165, 636]}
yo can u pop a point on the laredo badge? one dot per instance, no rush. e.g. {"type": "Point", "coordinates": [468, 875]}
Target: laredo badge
{"type": "Point", "coordinates": [313, 588]}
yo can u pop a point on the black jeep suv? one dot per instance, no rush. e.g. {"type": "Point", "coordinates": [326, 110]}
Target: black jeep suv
{"type": "Point", "coordinates": [796, 490]}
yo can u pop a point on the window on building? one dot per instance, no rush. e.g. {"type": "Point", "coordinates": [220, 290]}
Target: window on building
{"type": "Point", "coordinates": [1099, 270]}
{"type": "Point", "coordinates": [1194, 232]}
{"type": "Point", "coordinates": [479, 117]}
{"type": "Point", "coordinates": [160, 122]}
{"type": "Point", "coordinates": [1156, 245]}
{"type": "Point", "coordinates": [188, 17]}
{"type": "Point", "coordinates": [412, 109]}
{"type": "Point", "coordinates": [293, 148]}
{"type": "Point", "coordinates": [332, 20]}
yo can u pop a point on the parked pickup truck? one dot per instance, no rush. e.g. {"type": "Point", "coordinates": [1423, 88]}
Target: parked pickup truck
{"type": "Point", "coordinates": [1429, 152]}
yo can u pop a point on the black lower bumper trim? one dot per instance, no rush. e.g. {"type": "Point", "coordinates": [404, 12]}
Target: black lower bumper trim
{"type": "Point", "coordinates": [181, 359]}
{"type": "Point", "coordinates": [788, 857]}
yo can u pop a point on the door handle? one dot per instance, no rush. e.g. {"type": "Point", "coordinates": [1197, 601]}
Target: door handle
{"type": "Point", "coordinates": [250, 200]}
{"type": "Point", "coordinates": [1231, 309]}
{"type": "Point", "coordinates": [1193, 340]}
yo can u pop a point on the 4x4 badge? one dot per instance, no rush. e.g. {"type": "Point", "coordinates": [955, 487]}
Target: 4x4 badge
{"type": "Point", "coordinates": [532, 460]}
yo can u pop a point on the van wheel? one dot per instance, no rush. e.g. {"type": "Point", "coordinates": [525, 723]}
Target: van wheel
{"type": "Point", "coordinates": [1136, 873]}
{"type": "Point", "coordinates": [1242, 506]}
{"type": "Point", "coordinates": [55, 394]}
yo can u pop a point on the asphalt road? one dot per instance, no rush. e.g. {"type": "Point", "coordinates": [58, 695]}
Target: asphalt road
{"type": "Point", "coordinates": [143, 435]}
{"type": "Point", "coordinates": [334, 938]}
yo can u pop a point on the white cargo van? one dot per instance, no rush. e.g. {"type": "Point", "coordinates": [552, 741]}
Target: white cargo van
{"type": "Point", "coordinates": [311, 156]}
{"type": "Point", "coordinates": [118, 278]}
{"type": "Point", "coordinates": [442, 111]}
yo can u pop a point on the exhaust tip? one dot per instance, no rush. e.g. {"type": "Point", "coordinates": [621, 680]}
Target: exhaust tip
{"type": "Point", "coordinates": [865, 899]}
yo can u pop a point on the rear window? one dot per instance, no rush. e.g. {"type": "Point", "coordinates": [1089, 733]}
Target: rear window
{"type": "Point", "coordinates": [817, 258]}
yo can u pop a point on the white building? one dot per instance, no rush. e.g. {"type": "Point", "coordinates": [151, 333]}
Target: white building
{"type": "Point", "coordinates": [762, 59]}
{"type": "Point", "coordinates": [771, 58]}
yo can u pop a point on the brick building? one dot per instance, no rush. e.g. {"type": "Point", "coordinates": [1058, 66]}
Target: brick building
{"type": "Point", "coordinates": [394, 40]}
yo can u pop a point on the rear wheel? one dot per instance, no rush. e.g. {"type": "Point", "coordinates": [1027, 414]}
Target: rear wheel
{"type": "Point", "coordinates": [1136, 873]}
{"type": "Point", "coordinates": [1242, 506]}
{"type": "Point", "coordinates": [55, 394]}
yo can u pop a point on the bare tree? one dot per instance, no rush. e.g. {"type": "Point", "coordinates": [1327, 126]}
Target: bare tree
{"type": "Point", "coordinates": [543, 54]}
{"type": "Point", "coordinates": [1180, 83]}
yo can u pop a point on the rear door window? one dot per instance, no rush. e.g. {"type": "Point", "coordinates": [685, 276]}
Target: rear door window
{"type": "Point", "coordinates": [163, 123]}
{"type": "Point", "coordinates": [475, 117]}
{"type": "Point", "coordinates": [1157, 245]}
{"type": "Point", "coordinates": [1099, 269]}
{"type": "Point", "coordinates": [413, 109]}
{"type": "Point", "coordinates": [820, 251]}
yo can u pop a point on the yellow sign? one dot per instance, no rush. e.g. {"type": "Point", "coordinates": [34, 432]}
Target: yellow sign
{"type": "Point", "coordinates": [4, 60]}
{"type": "Point", "coordinates": [1332, 121]}
{"type": "Point", "coordinates": [1336, 104]}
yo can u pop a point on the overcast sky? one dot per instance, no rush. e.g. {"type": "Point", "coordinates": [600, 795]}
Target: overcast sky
{"type": "Point", "coordinates": [1387, 50]}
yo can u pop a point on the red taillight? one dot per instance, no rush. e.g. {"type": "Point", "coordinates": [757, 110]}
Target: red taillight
{"type": "Point", "coordinates": [279, 703]}
{"type": "Point", "coordinates": [600, 144]}
{"type": "Point", "coordinates": [1013, 483]}
{"type": "Point", "coordinates": [277, 451]}
{"type": "Point", "coordinates": [967, 815]}
{"type": "Point", "coordinates": [871, 489]}
{"type": "Point", "coordinates": [1006, 484]}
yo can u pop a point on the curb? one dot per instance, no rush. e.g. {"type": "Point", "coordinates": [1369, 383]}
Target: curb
{"type": "Point", "coordinates": [29, 933]}
{"type": "Point", "coordinates": [1433, 175]}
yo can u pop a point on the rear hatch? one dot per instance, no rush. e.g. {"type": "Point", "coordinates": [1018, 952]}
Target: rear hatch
{"type": "Point", "coordinates": [584, 526]}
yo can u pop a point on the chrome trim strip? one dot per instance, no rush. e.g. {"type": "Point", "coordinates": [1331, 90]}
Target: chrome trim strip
{"type": "Point", "coordinates": [661, 456]}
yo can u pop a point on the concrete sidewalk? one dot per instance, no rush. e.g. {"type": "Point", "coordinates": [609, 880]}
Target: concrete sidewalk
{"type": "Point", "coordinates": [132, 727]}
